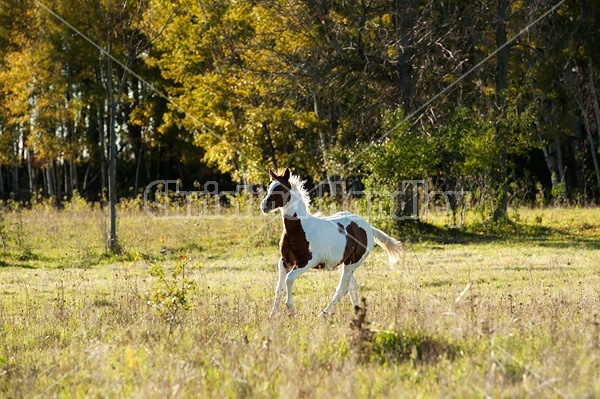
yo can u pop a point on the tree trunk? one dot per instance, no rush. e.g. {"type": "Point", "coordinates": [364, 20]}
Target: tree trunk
{"type": "Point", "coordinates": [74, 179]}
{"type": "Point", "coordinates": [560, 164]}
{"type": "Point", "coordinates": [15, 175]}
{"type": "Point", "coordinates": [112, 153]}
{"type": "Point", "coordinates": [138, 167]}
{"type": "Point", "coordinates": [577, 137]}
{"type": "Point", "coordinates": [405, 22]}
{"type": "Point", "coordinates": [85, 177]}
{"type": "Point", "coordinates": [405, 17]}
{"type": "Point", "coordinates": [56, 178]}
{"type": "Point", "coordinates": [102, 139]}
{"type": "Point", "coordinates": [112, 157]}
{"type": "Point", "coordinates": [323, 145]}
{"type": "Point", "coordinates": [66, 180]}
{"type": "Point", "coordinates": [112, 179]}
{"type": "Point", "coordinates": [550, 163]}
{"type": "Point", "coordinates": [270, 145]}
{"type": "Point", "coordinates": [501, 205]}
{"type": "Point", "coordinates": [1, 183]}
{"type": "Point", "coordinates": [49, 181]}
{"type": "Point", "coordinates": [113, 104]}
{"type": "Point", "coordinates": [406, 202]}
{"type": "Point", "coordinates": [15, 170]}
{"type": "Point", "coordinates": [592, 73]}
{"type": "Point", "coordinates": [590, 137]}
{"type": "Point", "coordinates": [31, 175]}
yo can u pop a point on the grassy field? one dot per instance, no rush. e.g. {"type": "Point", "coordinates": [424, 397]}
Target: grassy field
{"type": "Point", "coordinates": [183, 312]}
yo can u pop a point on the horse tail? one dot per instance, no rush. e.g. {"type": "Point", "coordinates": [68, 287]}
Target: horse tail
{"type": "Point", "coordinates": [392, 246]}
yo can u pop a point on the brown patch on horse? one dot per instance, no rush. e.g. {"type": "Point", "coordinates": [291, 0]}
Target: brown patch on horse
{"type": "Point", "coordinates": [294, 247]}
{"type": "Point", "coordinates": [356, 244]}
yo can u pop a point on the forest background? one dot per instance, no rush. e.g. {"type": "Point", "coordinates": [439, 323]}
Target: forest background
{"type": "Point", "coordinates": [493, 101]}
{"type": "Point", "coordinates": [495, 98]}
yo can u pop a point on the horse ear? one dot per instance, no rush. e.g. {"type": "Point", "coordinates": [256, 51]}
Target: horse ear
{"type": "Point", "coordinates": [286, 174]}
{"type": "Point", "coordinates": [272, 174]}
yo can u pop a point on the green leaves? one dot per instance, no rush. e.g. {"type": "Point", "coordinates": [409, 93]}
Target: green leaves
{"type": "Point", "coordinates": [305, 84]}
{"type": "Point", "coordinates": [405, 154]}
{"type": "Point", "coordinates": [170, 295]}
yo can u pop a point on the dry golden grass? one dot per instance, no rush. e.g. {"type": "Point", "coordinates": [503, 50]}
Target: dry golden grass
{"type": "Point", "coordinates": [468, 316]}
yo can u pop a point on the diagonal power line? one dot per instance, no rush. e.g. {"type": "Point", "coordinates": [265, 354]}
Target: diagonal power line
{"type": "Point", "coordinates": [239, 152]}
{"type": "Point", "coordinates": [457, 81]}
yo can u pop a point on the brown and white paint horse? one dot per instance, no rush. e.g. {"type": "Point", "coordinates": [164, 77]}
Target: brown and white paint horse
{"type": "Point", "coordinates": [309, 241]}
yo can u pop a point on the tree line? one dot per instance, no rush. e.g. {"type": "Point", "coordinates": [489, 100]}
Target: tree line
{"type": "Point", "coordinates": [334, 89]}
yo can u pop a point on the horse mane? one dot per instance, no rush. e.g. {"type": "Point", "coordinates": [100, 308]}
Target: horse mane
{"type": "Point", "coordinates": [298, 184]}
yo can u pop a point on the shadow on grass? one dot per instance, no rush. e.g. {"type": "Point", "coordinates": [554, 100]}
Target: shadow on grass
{"type": "Point", "coordinates": [15, 261]}
{"type": "Point", "coordinates": [27, 259]}
{"type": "Point", "coordinates": [413, 346]}
{"type": "Point", "coordinates": [416, 231]}
{"type": "Point", "coordinates": [395, 346]}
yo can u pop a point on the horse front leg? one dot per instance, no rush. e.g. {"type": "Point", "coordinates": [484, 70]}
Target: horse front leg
{"type": "Point", "coordinates": [289, 282]}
{"type": "Point", "coordinates": [279, 288]}
{"type": "Point", "coordinates": [347, 281]}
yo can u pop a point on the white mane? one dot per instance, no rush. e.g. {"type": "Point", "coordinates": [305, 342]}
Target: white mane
{"type": "Point", "coordinates": [298, 185]}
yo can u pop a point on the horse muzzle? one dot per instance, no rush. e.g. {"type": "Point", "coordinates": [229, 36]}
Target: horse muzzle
{"type": "Point", "coordinates": [265, 207]}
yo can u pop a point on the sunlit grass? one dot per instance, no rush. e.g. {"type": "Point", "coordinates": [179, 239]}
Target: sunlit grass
{"type": "Point", "coordinates": [514, 313]}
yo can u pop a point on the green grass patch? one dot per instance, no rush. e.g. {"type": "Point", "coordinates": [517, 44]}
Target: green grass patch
{"type": "Point", "coordinates": [507, 315]}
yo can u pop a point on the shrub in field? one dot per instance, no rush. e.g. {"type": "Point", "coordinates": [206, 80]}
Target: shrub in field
{"type": "Point", "coordinates": [170, 295]}
{"type": "Point", "coordinates": [362, 336]}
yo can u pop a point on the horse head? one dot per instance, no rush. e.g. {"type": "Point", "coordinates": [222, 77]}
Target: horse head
{"type": "Point", "coordinates": [279, 191]}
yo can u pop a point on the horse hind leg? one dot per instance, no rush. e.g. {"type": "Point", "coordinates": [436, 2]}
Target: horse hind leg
{"type": "Point", "coordinates": [347, 282]}
{"type": "Point", "coordinates": [353, 289]}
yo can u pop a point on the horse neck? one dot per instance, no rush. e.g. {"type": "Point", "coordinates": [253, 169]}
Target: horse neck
{"type": "Point", "coordinates": [296, 207]}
